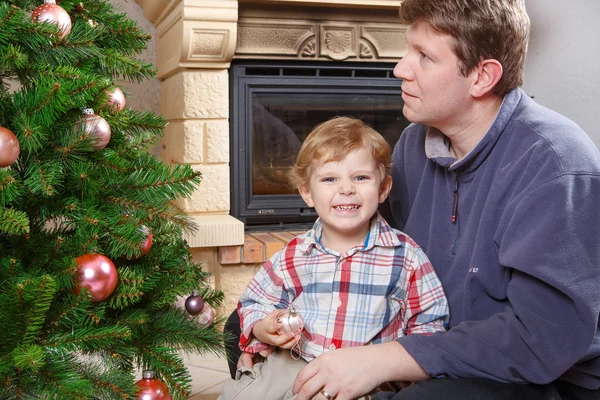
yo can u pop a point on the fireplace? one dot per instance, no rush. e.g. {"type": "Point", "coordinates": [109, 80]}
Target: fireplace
{"type": "Point", "coordinates": [274, 106]}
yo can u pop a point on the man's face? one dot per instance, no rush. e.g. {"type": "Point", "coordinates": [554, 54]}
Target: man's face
{"type": "Point", "coordinates": [433, 89]}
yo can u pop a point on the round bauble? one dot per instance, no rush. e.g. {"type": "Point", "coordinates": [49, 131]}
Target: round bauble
{"type": "Point", "coordinates": [9, 147]}
{"type": "Point", "coordinates": [116, 100]}
{"type": "Point", "coordinates": [96, 127]}
{"type": "Point", "coordinates": [150, 388]}
{"type": "Point", "coordinates": [96, 273]}
{"type": "Point", "coordinates": [194, 304]}
{"type": "Point", "coordinates": [207, 316]}
{"type": "Point", "coordinates": [50, 12]}
{"type": "Point", "coordinates": [146, 244]}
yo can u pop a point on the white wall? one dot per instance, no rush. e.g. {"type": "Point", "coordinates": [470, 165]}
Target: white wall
{"type": "Point", "coordinates": [562, 71]}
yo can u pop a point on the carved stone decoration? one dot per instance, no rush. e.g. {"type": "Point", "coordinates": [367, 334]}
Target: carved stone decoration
{"type": "Point", "coordinates": [263, 37]}
{"type": "Point", "coordinates": [386, 41]}
{"type": "Point", "coordinates": [206, 45]}
{"type": "Point", "coordinates": [309, 49]}
{"type": "Point", "coordinates": [365, 50]}
{"type": "Point", "coordinates": [338, 42]}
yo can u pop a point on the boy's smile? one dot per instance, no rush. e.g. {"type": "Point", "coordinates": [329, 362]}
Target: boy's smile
{"type": "Point", "coordinates": [346, 195]}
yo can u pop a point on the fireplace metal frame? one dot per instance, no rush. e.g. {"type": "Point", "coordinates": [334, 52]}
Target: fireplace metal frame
{"type": "Point", "coordinates": [260, 212]}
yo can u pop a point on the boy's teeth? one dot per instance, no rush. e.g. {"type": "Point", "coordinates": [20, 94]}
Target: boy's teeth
{"type": "Point", "coordinates": [346, 207]}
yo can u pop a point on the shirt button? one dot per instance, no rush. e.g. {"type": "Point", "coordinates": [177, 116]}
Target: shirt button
{"type": "Point", "coordinates": [332, 347]}
{"type": "Point", "coordinates": [338, 302]}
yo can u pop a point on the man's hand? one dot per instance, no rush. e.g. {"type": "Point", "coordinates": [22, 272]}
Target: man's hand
{"type": "Point", "coordinates": [349, 373]}
{"type": "Point", "coordinates": [266, 332]}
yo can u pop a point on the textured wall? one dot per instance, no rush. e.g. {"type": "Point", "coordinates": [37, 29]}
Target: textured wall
{"type": "Point", "coordinates": [144, 96]}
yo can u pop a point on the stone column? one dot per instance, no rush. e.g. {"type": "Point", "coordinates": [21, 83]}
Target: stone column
{"type": "Point", "coordinates": [196, 42]}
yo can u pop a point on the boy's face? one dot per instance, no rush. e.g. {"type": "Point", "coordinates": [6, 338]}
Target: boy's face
{"type": "Point", "coordinates": [346, 195]}
{"type": "Point", "coordinates": [433, 89]}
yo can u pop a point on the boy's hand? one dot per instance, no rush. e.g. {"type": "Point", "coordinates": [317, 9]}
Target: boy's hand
{"type": "Point", "coordinates": [266, 332]}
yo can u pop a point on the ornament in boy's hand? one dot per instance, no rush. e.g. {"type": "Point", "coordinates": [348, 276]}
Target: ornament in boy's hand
{"type": "Point", "coordinates": [291, 321]}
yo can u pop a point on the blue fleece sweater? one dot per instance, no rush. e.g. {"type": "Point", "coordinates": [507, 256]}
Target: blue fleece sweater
{"type": "Point", "coordinates": [520, 264]}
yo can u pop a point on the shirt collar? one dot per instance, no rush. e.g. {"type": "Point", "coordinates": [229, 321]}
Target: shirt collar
{"type": "Point", "coordinates": [380, 234]}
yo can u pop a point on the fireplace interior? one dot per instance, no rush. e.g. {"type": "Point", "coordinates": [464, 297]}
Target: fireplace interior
{"type": "Point", "coordinates": [275, 106]}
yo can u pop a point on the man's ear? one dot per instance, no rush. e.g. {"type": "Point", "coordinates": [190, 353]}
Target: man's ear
{"type": "Point", "coordinates": [488, 73]}
{"type": "Point", "coordinates": [304, 191]}
{"type": "Point", "coordinates": [386, 186]}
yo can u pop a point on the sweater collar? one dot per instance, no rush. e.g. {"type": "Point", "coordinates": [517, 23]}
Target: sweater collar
{"type": "Point", "coordinates": [437, 144]}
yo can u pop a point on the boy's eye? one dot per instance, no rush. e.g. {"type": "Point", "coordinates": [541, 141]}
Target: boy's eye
{"type": "Point", "coordinates": [362, 178]}
{"type": "Point", "coordinates": [328, 179]}
{"type": "Point", "coordinates": [424, 56]}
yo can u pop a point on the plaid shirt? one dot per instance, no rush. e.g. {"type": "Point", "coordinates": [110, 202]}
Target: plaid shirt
{"type": "Point", "coordinates": [373, 293]}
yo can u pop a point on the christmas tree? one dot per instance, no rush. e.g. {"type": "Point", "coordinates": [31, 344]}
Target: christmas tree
{"type": "Point", "coordinates": [92, 255]}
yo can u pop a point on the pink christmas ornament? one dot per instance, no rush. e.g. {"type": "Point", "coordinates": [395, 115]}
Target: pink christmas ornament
{"type": "Point", "coordinates": [50, 12]}
{"type": "Point", "coordinates": [96, 127]}
{"type": "Point", "coordinates": [96, 273]}
{"type": "Point", "coordinates": [116, 100]}
{"type": "Point", "coordinates": [207, 316]}
{"type": "Point", "coordinates": [9, 147]}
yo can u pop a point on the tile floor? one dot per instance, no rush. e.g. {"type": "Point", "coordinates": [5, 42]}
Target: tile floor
{"type": "Point", "coordinates": [208, 373]}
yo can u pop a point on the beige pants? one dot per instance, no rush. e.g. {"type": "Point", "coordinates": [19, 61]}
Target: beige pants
{"type": "Point", "coordinates": [269, 380]}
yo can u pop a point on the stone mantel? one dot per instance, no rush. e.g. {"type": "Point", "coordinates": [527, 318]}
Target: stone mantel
{"type": "Point", "coordinates": [208, 34]}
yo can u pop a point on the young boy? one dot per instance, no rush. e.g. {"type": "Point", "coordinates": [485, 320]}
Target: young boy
{"type": "Point", "coordinates": [353, 278]}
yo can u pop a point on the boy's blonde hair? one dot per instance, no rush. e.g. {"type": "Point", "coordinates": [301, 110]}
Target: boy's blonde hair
{"type": "Point", "coordinates": [333, 140]}
{"type": "Point", "coordinates": [481, 29]}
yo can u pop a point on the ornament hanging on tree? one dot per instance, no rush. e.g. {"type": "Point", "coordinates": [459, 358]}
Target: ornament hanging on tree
{"type": "Point", "coordinates": [146, 244]}
{"type": "Point", "coordinates": [96, 273]}
{"type": "Point", "coordinates": [194, 304]}
{"type": "Point", "coordinates": [116, 100]}
{"type": "Point", "coordinates": [150, 388]}
{"type": "Point", "coordinates": [50, 12]}
{"type": "Point", "coordinates": [96, 127]}
{"type": "Point", "coordinates": [207, 316]}
{"type": "Point", "coordinates": [9, 147]}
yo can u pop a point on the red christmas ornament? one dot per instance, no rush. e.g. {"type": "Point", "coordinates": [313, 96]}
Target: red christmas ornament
{"type": "Point", "coordinates": [146, 244]}
{"type": "Point", "coordinates": [150, 388]}
{"type": "Point", "coordinates": [50, 12]}
{"type": "Point", "coordinates": [98, 274]}
{"type": "Point", "coordinates": [9, 147]}
{"type": "Point", "coordinates": [207, 316]}
{"type": "Point", "coordinates": [194, 304]}
{"type": "Point", "coordinates": [96, 127]}
{"type": "Point", "coordinates": [116, 100]}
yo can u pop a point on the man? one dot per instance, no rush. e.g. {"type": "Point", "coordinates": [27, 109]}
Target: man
{"type": "Point", "coordinates": [502, 194]}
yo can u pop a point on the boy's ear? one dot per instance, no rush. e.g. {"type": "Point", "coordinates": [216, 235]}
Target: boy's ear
{"type": "Point", "coordinates": [489, 72]}
{"type": "Point", "coordinates": [304, 191]}
{"type": "Point", "coordinates": [386, 186]}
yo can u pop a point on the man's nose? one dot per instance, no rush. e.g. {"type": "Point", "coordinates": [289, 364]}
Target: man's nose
{"type": "Point", "coordinates": [402, 70]}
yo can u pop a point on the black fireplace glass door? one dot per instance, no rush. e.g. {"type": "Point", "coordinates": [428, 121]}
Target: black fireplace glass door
{"type": "Point", "coordinates": [273, 114]}
{"type": "Point", "coordinates": [281, 122]}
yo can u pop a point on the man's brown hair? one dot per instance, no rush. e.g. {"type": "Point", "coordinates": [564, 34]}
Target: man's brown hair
{"type": "Point", "coordinates": [333, 140]}
{"type": "Point", "coordinates": [481, 29]}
